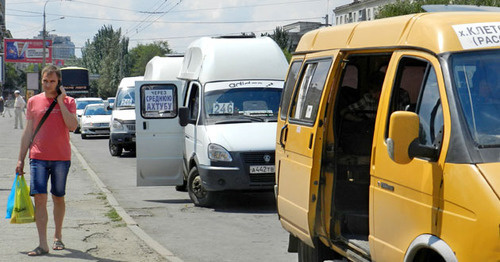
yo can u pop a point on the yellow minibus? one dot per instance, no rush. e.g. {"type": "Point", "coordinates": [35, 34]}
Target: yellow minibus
{"type": "Point", "coordinates": [388, 140]}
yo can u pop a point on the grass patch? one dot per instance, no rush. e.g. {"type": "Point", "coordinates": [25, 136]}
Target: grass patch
{"type": "Point", "coordinates": [101, 196]}
{"type": "Point", "coordinates": [113, 215]}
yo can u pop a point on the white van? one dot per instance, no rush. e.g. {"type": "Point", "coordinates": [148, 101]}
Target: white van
{"type": "Point", "coordinates": [158, 133]}
{"type": "Point", "coordinates": [233, 91]}
{"type": "Point", "coordinates": [122, 126]}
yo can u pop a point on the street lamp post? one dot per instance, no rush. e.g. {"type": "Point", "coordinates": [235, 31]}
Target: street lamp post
{"type": "Point", "coordinates": [44, 32]}
{"type": "Point", "coordinates": [43, 37]}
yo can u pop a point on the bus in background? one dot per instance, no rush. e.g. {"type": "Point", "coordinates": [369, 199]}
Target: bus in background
{"type": "Point", "coordinates": [75, 81]}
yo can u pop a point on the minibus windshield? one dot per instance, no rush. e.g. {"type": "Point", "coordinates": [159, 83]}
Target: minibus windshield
{"type": "Point", "coordinates": [125, 98]}
{"type": "Point", "coordinates": [476, 80]}
{"type": "Point", "coordinates": [242, 104]}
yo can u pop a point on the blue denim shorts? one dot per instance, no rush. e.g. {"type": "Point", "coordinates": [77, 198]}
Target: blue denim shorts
{"type": "Point", "coordinates": [41, 170]}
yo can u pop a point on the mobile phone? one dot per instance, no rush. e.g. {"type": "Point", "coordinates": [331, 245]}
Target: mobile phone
{"type": "Point", "coordinates": [58, 88]}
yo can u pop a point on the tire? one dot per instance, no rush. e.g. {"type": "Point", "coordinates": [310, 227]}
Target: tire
{"type": "Point", "coordinates": [314, 254]}
{"type": "Point", "coordinates": [115, 150]}
{"type": "Point", "coordinates": [197, 192]}
{"type": "Point", "coordinates": [84, 136]}
{"type": "Point", "coordinates": [77, 130]}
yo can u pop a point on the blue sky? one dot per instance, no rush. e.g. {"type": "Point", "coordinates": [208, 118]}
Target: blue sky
{"type": "Point", "coordinates": [177, 21]}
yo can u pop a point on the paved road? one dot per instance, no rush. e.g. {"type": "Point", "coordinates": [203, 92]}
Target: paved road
{"type": "Point", "coordinates": [242, 227]}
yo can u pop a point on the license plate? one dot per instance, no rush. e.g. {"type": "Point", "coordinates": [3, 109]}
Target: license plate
{"type": "Point", "coordinates": [261, 169]}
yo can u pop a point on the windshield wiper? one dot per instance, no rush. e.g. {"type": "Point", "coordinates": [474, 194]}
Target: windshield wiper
{"type": "Point", "coordinates": [254, 118]}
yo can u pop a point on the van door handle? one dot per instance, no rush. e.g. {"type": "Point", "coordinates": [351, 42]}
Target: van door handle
{"type": "Point", "coordinates": [284, 130]}
{"type": "Point", "coordinates": [144, 125]}
{"type": "Point", "coordinates": [385, 186]}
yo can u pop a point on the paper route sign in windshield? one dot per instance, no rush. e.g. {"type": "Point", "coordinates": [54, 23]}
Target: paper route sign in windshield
{"type": "Point", "coordinates": [159, 100]}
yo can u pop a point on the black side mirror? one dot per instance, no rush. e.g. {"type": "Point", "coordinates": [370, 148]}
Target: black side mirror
{"type": "Point", "coordinates": [183, 116]}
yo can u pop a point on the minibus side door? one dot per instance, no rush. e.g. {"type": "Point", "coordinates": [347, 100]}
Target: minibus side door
{"type": "Point", "coordinates": [299, 167]}
{"type": "Point", "coordinates": [405, 197]}
{"type": "Point", "coordinates": [159, 137]}
{"type": "Point", "coordinates": [193, 102]}
{"type": "Point", "coordinates": [286, 96]}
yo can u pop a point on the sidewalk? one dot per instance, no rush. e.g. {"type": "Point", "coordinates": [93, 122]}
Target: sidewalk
{"type": "Point", "coordinates": [88, 233]}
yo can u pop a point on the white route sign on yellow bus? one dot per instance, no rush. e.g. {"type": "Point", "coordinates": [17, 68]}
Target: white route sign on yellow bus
{"type": "Point", "coordinates": [478, 35]}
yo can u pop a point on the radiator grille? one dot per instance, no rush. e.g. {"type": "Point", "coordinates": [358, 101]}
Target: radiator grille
{"type": "Point", "coordinates": [258, 158]}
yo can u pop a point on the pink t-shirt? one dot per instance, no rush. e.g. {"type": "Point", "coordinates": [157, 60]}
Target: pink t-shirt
{"type": "Point", "coordinates": [52, 140]}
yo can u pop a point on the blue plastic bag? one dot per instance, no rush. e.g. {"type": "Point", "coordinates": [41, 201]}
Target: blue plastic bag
{"type": "Point", "coordinates": [10, 201]}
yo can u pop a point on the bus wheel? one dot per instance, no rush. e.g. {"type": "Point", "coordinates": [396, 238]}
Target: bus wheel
{"type": "Point", "coordinates": [198, 194]}
{"type": "Point", "coordinates": [115, 150]}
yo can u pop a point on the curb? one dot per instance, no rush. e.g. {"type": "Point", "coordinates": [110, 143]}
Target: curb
{"type": "Point", "coordinates": [131, 224]}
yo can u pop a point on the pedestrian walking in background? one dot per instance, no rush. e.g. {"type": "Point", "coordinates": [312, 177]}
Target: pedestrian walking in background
{"type": "Point", "coordinates": [19, 105]}
{"type": "Point", "coordinates": [2, 103]}
{"type": "Point", "coordinates": [7, 105]}
{"type": "Point", "coordinates": [49, 153]}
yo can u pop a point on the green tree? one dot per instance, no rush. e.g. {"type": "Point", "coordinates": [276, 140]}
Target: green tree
{"type": "Point", "coordinates": [15, 79]}
{"type": "Point", "coordinates": [141, 54]}
{"type": "Point", "coordinates": [75, 61]}
{"type": "Point", "coordinates": [404, 7]}
{"type": "Point", "coordinates": [107, 56]}
{"type": "Point", "coordinates": [281, 37]}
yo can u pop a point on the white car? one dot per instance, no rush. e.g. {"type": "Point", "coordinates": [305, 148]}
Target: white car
{"type": "Point", "coordinates": [95, 120]}
{"type": "Point", "coordinates": [81, 103]}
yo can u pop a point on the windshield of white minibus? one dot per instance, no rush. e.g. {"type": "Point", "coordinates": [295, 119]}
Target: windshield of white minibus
{"type": "Point", "coordinates": [476, 78]}
{"type": "Point", "coordinates": [125, 98]}
{"type": "Point", "coordinates": [251, 104]}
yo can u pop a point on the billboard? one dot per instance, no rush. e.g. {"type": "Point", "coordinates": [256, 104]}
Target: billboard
{"type": "Point", "coordinates": [27, 50]}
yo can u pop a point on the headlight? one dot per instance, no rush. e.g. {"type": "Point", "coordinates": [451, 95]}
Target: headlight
{"type": "Point", "coordinates": [116, 125]}
{"type": "Point", "coordinates": [218, 153]}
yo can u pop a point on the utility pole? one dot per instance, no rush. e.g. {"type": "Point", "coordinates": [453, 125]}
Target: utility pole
{"type": "Point", "coordinates": [327, 12]}
{"type": "Point", "coordinates": [44, 32]}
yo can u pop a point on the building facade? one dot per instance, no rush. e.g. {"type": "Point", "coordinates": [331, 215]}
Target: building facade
{"type": "Point", "coordinates": [358, 10]}
{"type": "Point", "coordinates": [297, 30]}
{"type": "Point", "coordinates": [62, 47]}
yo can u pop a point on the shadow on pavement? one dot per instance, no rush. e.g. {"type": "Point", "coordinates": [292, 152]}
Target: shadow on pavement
{"type": "Point", "coordinates": [171, 201]}
{"type": "Point", "coordinates": [128, 154]}
{"type": "Point", "coordinates": [73, 253]}
{"type": "Point", "coordinates": [234, 202]}
{"type": "Point", "coordinates": [243, 202]}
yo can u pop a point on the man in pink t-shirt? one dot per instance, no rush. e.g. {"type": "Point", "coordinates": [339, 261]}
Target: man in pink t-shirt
{"type": "Point", "coordinates": [50, 154]}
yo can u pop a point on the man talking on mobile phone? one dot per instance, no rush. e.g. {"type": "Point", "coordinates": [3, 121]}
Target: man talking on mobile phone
{"type": "Point", "coordinates": [49, 153]}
